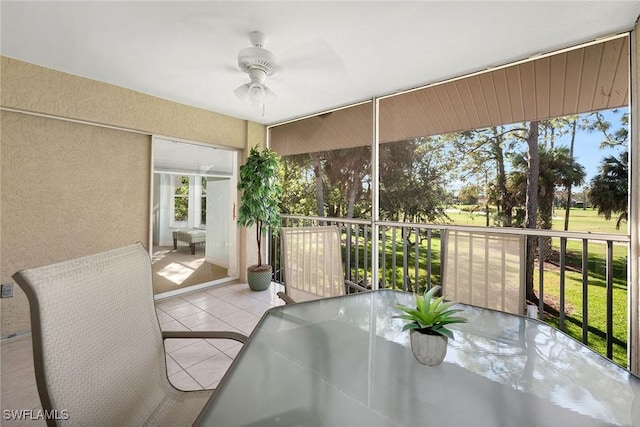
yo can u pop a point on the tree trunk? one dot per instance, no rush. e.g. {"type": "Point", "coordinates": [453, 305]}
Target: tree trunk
{"type": "Point", "coordinates": [501, 180]}
{"type": "Point", "coordinates": [531, 214]}
{"type": "Point", "coordinates": [568, 207]}
{"type": "Point", "coordinates": [259, 240]}
{"type": "Point", "coordinates": [486, 200]}
{"type": "Point", "coordinates": [532, 203]}
{"type": "Point", "coordinates": [319, 184]}
{"type": "Point", "coordinates": [352, 200]}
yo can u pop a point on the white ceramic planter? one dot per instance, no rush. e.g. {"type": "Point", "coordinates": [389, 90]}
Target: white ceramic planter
{"type": "Point", "coordinates": [428, 349]}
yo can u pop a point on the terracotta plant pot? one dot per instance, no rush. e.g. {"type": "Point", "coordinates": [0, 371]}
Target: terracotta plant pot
{"type": "Point", "coordinates": [428, 349]}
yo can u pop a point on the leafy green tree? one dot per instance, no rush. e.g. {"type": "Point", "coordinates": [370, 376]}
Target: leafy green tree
{"type": "Point", "coordinates": [485, 149]}
{"type": "Point", "coordinates": [299, 193]}
{"type": "Point", "coordinates": [468, 195]}
{"type": "Point", "coordinates": [619, 137]}
{"type": "Point", "coordinates": [345, 171]}
{"type": "Point", "coordinates": [413, 178]}
{"type": "Point", "coordinates": [261, 191]}
{"type": "Point", "coordinates": [327, 183]}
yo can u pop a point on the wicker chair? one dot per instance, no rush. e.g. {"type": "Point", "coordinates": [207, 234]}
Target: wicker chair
{"type": "Point", "coordinates": [312, 264]}
{"type": "Point", "coordinates": [98, 349]}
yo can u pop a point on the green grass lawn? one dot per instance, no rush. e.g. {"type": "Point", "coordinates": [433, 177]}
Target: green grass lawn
{"type": "Point", "coordinates": [596, 311]}
{"type": "Point", "coordinates": [586, 220]}
{"type": "Point", "coordinates": [579, 220]}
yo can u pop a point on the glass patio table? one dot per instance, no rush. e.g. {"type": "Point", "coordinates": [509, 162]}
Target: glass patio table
{"type": "Point", "coordinates": [344, 362]}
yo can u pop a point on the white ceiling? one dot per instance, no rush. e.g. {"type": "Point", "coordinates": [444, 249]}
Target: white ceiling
{"type": "Point", "coordinates": [187, 51]}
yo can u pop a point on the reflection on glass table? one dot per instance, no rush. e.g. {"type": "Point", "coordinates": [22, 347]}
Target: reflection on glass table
{"type": "Point", "coordinates": [344, 361]}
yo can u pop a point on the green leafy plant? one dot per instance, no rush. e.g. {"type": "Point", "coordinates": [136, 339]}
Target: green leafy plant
{"type": "Point", "coordinates": [261, 193]}
{"type": "Point", "coordinates": [431, 315]}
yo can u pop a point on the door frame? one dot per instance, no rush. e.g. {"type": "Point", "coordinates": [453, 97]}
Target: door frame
{"type": "Point", "coordinates": [234, 234]}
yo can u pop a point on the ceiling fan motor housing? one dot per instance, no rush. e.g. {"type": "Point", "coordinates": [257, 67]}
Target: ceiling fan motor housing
{"type": "Point", "coordinates": [252, 58]}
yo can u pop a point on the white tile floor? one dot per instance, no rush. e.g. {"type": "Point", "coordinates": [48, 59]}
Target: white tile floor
{"type": "Point", "coordinates": [191, 364]}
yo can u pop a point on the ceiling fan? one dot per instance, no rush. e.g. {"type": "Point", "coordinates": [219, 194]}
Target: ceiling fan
{"type": "Point", "coordinates": [258, 63]}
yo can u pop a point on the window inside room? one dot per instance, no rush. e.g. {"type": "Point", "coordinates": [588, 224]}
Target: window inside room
{"type": "Point", "coordinates": [203, 201]}
{"type": "Point", "coordinates": [180, 200]}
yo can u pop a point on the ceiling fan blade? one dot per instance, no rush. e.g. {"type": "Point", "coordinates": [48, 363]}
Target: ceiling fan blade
{"type": "Point", "coordinates": [231, 68]}
{"type": "Point", "coordinates": [315, 55]}
{"type": "Point", "coordinates": [269, 96]}
{"type": "Point", "coordinates": [242, 92]}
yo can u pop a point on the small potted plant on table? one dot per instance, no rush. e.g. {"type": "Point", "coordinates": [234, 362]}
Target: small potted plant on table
{"type": "Point", "coordinates": [260, 206]}
{"type": "Point", "coordinates": [427, 324]}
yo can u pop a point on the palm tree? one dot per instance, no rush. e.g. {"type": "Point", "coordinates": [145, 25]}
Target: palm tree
{"type": "Point", "coordinates": [609, 189]}
{"type": "Point", "coordinates": [557, 168]}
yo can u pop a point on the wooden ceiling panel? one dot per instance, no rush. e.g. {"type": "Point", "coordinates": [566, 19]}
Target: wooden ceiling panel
{"type": "Point", "coordinates": [576, 81]}
{"type": "Point", "coordinates": [467, 103]}
{"type": "Point", "coordinates": [608, 65]}
{"type": "Point", "coordinates": [515, 93]}
{"type": "Point", "coordinates": [479, 101]}
{"type": "Point", "coordinates": [573, 76]}
{"type": "Point", "coordinates": [502, 94]}
{"type": "Point", "coordinates": [419, 112]}
{"type": "Point", "coordinates": [489, 95]}
{"type": "Point", "coordinates": [528, 86]}
{"type": "Point", "coordinates": [462, 113]}
{"type": "Point", "coordinates": [329, 131]}
{"type": "Point", "coordinates": [590, 72]}
{"type": "Point", "coordinates": [451, 118]}
{"type": "Point", "coordinates": [542, 72]}
{"type": "Point", "coordinates": [620, 88]}
{"type": "Point", "coordinates": [557, 74]}
{"type": "Point", "coordinates": [425, 114]}
{"type": "Point", "coordinates": [390, 120]}
{"type": "Point", "coordinates": [435, 114]}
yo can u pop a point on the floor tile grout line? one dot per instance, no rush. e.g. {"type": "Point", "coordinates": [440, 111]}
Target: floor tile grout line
{"type": "Point", "coordinates": [236, 297]}
{"type": "Point", "coordinates": [190, 376]}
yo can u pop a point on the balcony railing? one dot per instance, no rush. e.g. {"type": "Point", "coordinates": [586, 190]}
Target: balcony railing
{"type": "Point", "coordinates": [581, 285]}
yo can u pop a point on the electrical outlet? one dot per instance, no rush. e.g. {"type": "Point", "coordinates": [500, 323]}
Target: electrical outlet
{"type": "Point", "coordinates": [7, 290]}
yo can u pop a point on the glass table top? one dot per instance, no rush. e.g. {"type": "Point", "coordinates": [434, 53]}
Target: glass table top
{"type": "Point", "coordinates": [345, 361]}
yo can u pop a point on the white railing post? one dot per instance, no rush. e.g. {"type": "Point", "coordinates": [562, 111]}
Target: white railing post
{"type": "Point", "coordinates": [375, 196]}
{"type": "Point", "coordinates": [633, 282]}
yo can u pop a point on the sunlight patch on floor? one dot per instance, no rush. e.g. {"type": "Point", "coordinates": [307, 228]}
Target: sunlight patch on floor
{"type": "Point", "coordinates": [176, 272]}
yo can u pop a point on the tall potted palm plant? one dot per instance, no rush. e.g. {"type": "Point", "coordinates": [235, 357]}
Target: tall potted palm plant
{"type": "Point", "coordinates": [260, 206]}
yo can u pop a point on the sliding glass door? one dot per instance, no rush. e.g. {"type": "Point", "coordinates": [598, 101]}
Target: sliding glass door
{"type": "Point", "coordinates": [194, 235]}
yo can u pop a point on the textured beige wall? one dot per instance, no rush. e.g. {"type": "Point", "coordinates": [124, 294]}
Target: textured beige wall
{"type": "Point", "coordinates": [67, 190]}
{"type": "Point", "coordinates": [71, 189]}
{"type": "Point", "coordinates": [28, 87]}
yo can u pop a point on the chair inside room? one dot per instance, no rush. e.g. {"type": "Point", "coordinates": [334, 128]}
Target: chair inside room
{"type": "Point", "coordinates": [97, 345]}
{"type": "Point", "coordinates": [312, 264]}
{"type": "Point", "coordinates": [485, 269]}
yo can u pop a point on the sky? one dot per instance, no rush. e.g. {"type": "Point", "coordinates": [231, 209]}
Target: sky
{"type": "Point", "coordinates": [587, 150]}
